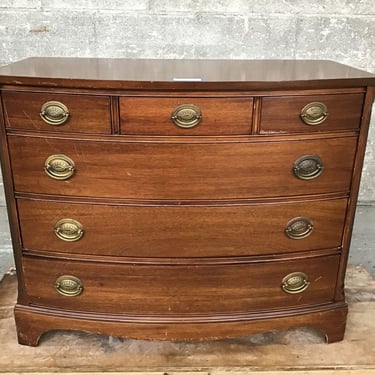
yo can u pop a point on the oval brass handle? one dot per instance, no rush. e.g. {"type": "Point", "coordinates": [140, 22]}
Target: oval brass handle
{"type": "Point", "coordinates": [54, 113]}
{"type": "Point", "coordinates": [314, 113]}
{"type": "Point", "coordinates": [186, 116]}
{"type": "Point", "coordinates": [308, 167]}
{"type": "Point", "coordinates": [295, 282]}
{"type": "Point", "coordinates": [69, 286]}
{"type": "Point", "coordinates": [59, 167]}
{"type": "Point", "coordinates": [69, 230]}
{"type": "Point", "coordinates": [299, 227]}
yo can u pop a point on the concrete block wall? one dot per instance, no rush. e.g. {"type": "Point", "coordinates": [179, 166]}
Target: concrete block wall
{"type": "Point", "coordinates": [341, 30]}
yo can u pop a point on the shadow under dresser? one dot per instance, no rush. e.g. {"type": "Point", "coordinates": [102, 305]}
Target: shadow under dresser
{"type": "Point", "coordinates": [181, 199]}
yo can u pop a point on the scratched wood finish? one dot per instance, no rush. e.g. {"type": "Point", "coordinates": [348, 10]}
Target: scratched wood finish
{"type": "Point", "coordinates": [179, 289]}
{"type": "Point", "coordinates": [33, 322]}
{"type": "Point", "coordinates": [87, 113]}
{"type": "Point", "coordinates": [181, 171]}
{"type": "Point", "coordinates": [159, 74]}
{"type": "Point", "coordinates": [181, 231]}
{"type": "Point", "coordinates": [282, 114]}
{"type": "Point", "coordinates": [152, 116]}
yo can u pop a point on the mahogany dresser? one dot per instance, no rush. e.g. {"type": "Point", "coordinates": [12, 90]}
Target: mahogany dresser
{"type": "Point", "coordinates": [181, 200]}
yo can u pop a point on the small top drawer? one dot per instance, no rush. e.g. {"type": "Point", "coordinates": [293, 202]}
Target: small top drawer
{"type": "Point", "coordinates": [50, 111]}
{"type": "Point", "coordinates": [313, 113]}
{"type": "Point", "coordinates": [186, 116]}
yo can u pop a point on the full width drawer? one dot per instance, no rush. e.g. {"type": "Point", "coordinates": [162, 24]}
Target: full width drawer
{"type": "Point", "coordinates": [179, 289]}
{"type": "Point", "coordinates": [313, 113]}
{"type": "Point", "coordinates": [180, 231]}
{"type": "Point", "coordinates": [50, 111]}
{"type": "Point", "coordinates": [186, 116]}
{"type": "Point", "coordinates": [182, 170]}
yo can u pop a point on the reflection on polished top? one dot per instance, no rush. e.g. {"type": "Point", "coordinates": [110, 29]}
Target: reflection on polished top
{"type": "Point", "coordinates": [183, 74]}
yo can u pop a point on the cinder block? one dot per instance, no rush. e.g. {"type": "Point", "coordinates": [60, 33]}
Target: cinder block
{"type": "Point", "coordinates": [123, 5]}
{"type": "Point", "coordinates": [266, 7]}
{"type": "Point", "coordinates": [349, 40]}
{"type": "Point", "coordinates": [367, 188]}
{"type": "Point", "coordinates": [269, 37]}
{"type": "Point", "coordinates": [214, 6]}
{"type": "Point", "coordinates": [321, 8]}
{"type": "Point", "coordinates": [35, 33]}
{"type": "Point", "coordinates": [29, 4]}
{"type": "Point", "coordinates": [2, 195]}
{"type": "Point", "coordinates": [169, 36]}
{"type": "Point", "coordinates": [361, 249]}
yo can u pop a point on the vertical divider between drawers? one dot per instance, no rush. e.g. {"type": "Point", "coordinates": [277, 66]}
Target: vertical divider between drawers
{"type": "Point", "coordinates": [115, 115]}
{"type": "Point", "coordinates": [257, 107]}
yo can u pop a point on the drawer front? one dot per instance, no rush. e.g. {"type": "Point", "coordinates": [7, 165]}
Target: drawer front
{"type": "Point", "coordinates": [178, 289]}
{"type": "Point", "coordinates": [209, 116]}
{"type": "Point", "coordinates": [55, 112]}
{"type": "Point", "coordinates": [182, 170]}
{"type": "Point", "coordinates": [182, 231]}
{"type": "Point", "coordinates": [286, 114]}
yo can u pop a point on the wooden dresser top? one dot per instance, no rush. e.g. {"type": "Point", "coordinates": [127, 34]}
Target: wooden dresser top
{"type": "Point", "coordinates": [183, 74]}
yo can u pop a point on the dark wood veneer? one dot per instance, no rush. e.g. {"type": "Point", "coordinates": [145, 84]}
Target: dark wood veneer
{"type": "Point", "coordinates": [181, 171]}
{"type": "Point", "coordinates": [282, 114]}
{"type": "Point", "coordinates": [179, 289]}
{"type": "Point", "coordinates": [217, 75]}
{"type": "Point", "coordinates": [152, 116]}
{"type": "Point", "coordinates": [33, 321]}
{"type": "Point", "coordinates": [87, 114]}
{"type": "Point", "coordinates": [181, 231]}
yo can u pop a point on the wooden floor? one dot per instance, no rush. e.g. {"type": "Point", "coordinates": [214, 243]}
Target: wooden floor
{"type": "Point", "coordinates": [299, 351]}
{"type": "Point", "coordinates": [241, 372]}
{"type": "Point", "coordinates": [220, 372]}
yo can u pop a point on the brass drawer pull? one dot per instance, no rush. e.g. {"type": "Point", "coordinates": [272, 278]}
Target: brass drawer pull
{"type": "Point", "coordinates": [69, 230]}
{"type": "Point", "coordinates": [295, 282]}
{"type": "Point", "coordinates": [299, 227]}
{"type": "Point", "coordinates": [59, 167]}
{"type": "Point", "coordinates": [186, 116]}
{"type": "Point", "coordinates": [314, 113]}
{"type": "Point", "coordinates": [54, 113]}
{"type": "Point", "coordinates": [308, 167]}
{"type": "Point", "coordinates": [69, 286]}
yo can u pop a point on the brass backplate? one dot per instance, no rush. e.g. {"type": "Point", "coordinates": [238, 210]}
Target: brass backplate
{"type": "Point", "coordinates": [186, 116]}
{"type": "Point", "coordinates": [54, 113]}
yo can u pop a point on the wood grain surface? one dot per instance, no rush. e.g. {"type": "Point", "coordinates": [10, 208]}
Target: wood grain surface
{"type": "Point", "coordinates": [186, 170]}
{"type": "Point", "coordinates": [172, 231]}
{"type": "Point", "coordinates": [152, 115]}
{"type": "Point", "coordinates": [87, 113]}
{"type": "Point", "coordinates": [179, 290]}
{"type": "Point", "coordinates": [282, 113]}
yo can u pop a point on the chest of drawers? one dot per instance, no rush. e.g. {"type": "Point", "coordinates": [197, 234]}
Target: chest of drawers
{"type": "Point", "coordinates": [181, 200]}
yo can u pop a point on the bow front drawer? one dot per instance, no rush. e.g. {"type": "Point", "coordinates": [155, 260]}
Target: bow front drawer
{"type": "Point", "coordinates": [57, 112]}
{"type": "Point", "coordinates": [312, 113]}
{"type": "Point", "coordinates": [179, 288]}
{"type": "Point", "coordinates": [181, 170]}
{"type": "Point", "coordinates": [180, 231]}
{"type": "Point", "coordinates": [186, 116]}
